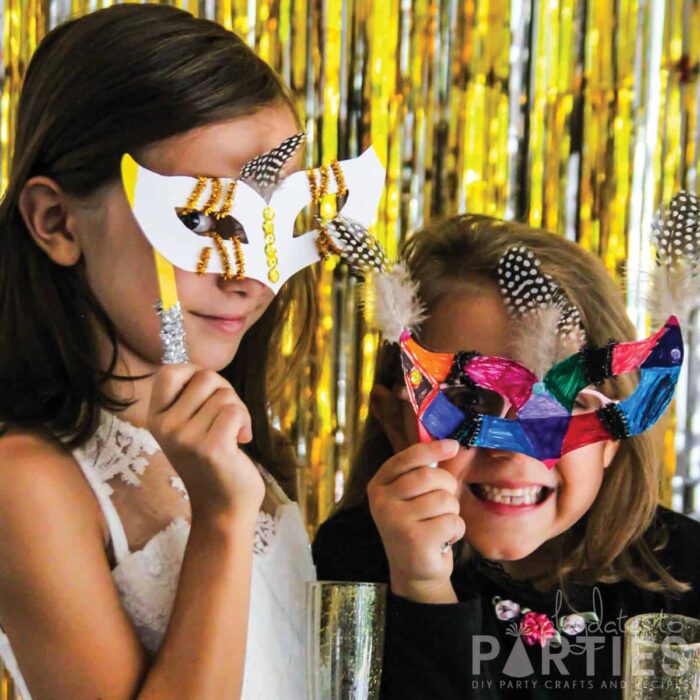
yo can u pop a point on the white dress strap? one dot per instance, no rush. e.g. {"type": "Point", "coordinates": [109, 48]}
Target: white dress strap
{"type": "Point", "coordinates": [7, 657]}
{"type": "Point", "coordinates": [117, 449]}
{"type": "Point", "coordinates": [114, 522]}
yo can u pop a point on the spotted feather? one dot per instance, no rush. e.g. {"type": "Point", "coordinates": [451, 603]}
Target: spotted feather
{"type": "Point", "coordinates": [263, 172]}
{"type": "Point", "coordinates": [525, 288]}
{"type": "Point", "coordinates": [359, 248]}
{"type": "Point", "coordinates": [676, 230]}
{"type": "Point", "coordinates": [675, 282]}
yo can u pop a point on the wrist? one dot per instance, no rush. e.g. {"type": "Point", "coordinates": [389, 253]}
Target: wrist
{"type": "Point", "coordinates": [225, 522]}
{"type": "Point", "coordinates": [436, 592]}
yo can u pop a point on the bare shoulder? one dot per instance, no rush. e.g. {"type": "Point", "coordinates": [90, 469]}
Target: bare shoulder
{"type": "Point", "coordinates": [59, 605]}
{"type": "Point", "coordinates": [41, 485]}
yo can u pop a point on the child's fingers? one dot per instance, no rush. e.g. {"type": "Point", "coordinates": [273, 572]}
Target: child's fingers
{"type": "Point", "coordinates": [200, 387]}
{"type": "Point", "coordinates": [422, 480]}
{"type": "Point", "coordinates": [203, 420]}
{"type": "Point", "coordinates": [232, 424]}
{"type": "Point", "coordinates": [168, 384]}
{"type": "Point", "coordinates": [414, 456]}
{"type": "Point", "coordinates": [448, 527]}
{"type": "Point", "coordinates": [431, 505]}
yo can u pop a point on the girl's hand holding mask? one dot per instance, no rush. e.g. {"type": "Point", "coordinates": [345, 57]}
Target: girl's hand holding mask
{"type": "Point", "coordinates": [416, 512]}
{"type": "Point", "coordinates": [199, 421]}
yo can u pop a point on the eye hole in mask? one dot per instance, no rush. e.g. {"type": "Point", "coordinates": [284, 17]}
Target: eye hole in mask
{"type": "Point", "coordinates": [490, 403]}
{"type": "Point", "coordinates": [206, 225]}
{"type": "Point", "coordinates": [477, 399]}
{"type": "Point", "coordinates": [589, 400]}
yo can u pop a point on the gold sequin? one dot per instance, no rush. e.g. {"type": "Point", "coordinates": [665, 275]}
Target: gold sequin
{"type": "Point", "coordinates": [328, 208]}
{"type": "Point", "coordinates": [416, 377]}
{"type": "Point", "coordinates": [319, 195]}
{"type": "Point", "coordinates": [270, 244]}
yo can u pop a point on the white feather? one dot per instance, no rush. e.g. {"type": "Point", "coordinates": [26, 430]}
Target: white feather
{"type": "Point", "coordinates": [536, 343]}
{"type": "Point", "coordinates": [391, 298]}
{"type": "Point", "coordinates": [675, 281]}
{"type": "Point", "coordinates": [675, 289]}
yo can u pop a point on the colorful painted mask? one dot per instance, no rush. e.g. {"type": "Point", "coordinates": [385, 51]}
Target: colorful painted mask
{"type": "Point", "coordinates": [542, 406]}
{"type": "Point", "coordinates": [466, 396]}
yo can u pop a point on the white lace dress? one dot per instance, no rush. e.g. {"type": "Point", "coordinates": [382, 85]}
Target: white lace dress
{"type": "Point", "coordinates": [116, 462]}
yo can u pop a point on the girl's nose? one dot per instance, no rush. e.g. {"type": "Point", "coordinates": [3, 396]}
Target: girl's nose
{"type": "Point", "coordinates": [248, 287]}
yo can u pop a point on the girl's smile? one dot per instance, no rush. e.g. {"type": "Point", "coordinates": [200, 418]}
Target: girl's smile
{"type": "Point", "coordinates": [509, 497]}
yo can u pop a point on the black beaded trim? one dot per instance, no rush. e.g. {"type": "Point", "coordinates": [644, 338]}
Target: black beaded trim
{"type": "Point", "coordinates": [614, 421]}
{"type": "Point", "coordinates": [597, 362]}
{"type": "Point", "coordinates": [457, 373]}
{"type": "Point", "coordinates": [467, 432]}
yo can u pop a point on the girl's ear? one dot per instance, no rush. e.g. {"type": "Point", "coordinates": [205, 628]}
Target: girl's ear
{"type": "Point", "coordinates": [43, 206]}
{"type": "Point", "coordinates": [388, 409]}
{"type": "Point", "coordinates": [609, 451]}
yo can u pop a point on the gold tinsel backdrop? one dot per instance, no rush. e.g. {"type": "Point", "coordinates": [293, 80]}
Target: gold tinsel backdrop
{"type": "Point", "coordinates": [580, 116]}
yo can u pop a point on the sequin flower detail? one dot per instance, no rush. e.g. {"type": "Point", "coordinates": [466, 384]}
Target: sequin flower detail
{"type": "Point", "coordinates": [573, 624]}
{"type": "Point", "coordinates": [536, 628]}
{"type": "Point", "coordinates": [506, 609]}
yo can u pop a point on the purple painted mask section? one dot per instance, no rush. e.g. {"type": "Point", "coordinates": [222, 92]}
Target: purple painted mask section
{"type": "Point", "coordinates": [546, 435]}
{"type": "Point", "coordinates": [542, 406]}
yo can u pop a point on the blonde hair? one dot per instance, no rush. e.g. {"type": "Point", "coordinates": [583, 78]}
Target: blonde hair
{"type": "Point", "coordinates": [610, 543]}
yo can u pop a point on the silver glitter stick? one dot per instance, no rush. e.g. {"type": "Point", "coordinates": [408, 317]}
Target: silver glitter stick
{"type": "Point", "coordinates": [172, 334]}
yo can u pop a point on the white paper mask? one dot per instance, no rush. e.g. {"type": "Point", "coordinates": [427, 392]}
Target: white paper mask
{"type": "Point", "coordinates": [156, 200]}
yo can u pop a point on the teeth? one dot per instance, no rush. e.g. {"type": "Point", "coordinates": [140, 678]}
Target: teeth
{"type": "Point", "coordinates": [511, 497]}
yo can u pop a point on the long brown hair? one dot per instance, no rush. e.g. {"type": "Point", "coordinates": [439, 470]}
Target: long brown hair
{"type": "Point", "coordinates": [112, 82]}
{"type": "Point", "coordinates": [610, 543]}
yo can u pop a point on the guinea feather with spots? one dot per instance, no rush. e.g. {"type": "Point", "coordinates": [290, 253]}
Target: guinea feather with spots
{"type": "Point", "coordinates": [676, 230]}
{"type": "Point", "coordinates": [359, 248]}
{"type": "Point", "coordinates": [675, 282]}
{"type": "Point", "coordinates": [525, 288]}
{"type": "Point", "coordinates": [263, 172]}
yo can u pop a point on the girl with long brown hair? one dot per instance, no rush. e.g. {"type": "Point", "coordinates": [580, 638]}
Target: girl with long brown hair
{"type": "Point", "coordinates": [138, 526]}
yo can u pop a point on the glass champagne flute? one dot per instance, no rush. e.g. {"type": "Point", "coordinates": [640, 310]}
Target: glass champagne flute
{"type": "Point", "coordinates": [345, 639]}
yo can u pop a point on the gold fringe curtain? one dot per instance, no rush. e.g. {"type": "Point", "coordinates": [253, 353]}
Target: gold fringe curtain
{"type": "Point", "coordinates": [576, 115]}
